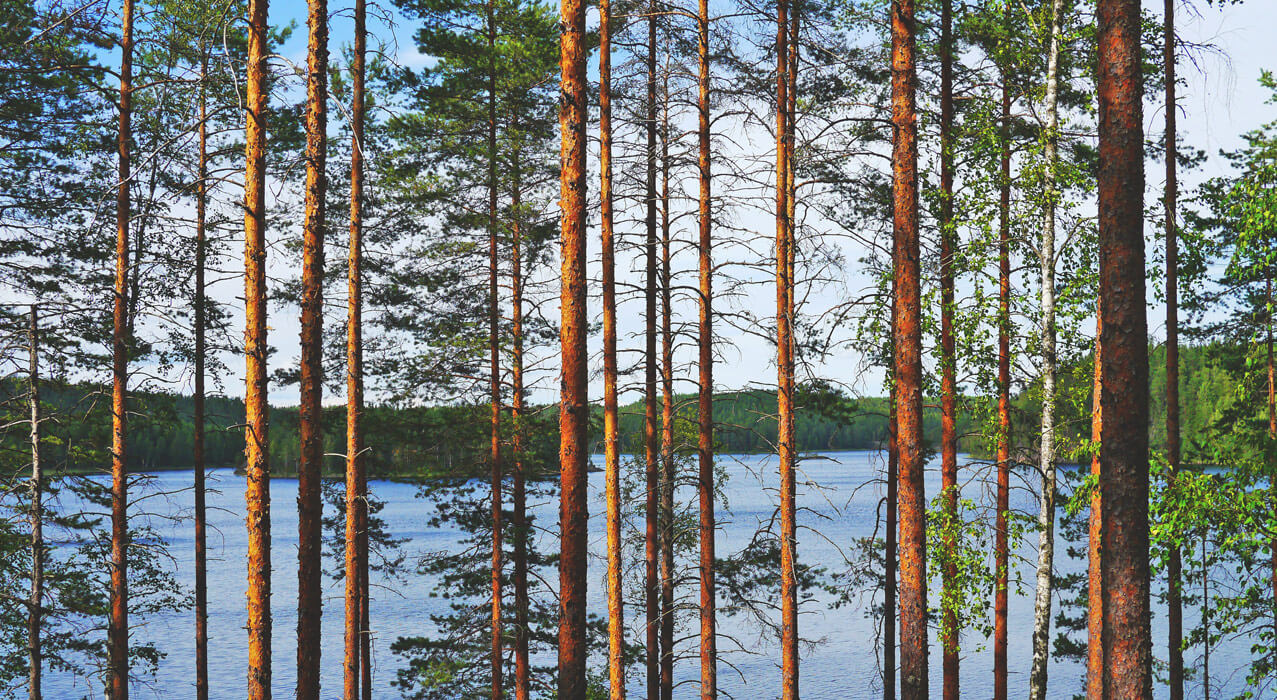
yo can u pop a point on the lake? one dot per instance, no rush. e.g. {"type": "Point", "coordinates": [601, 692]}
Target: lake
{"type": "Point", "coordinates": [843, 665]}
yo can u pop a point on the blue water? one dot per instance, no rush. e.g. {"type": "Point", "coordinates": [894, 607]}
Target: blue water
{"type": "Point", "coordinates": [844, 664]}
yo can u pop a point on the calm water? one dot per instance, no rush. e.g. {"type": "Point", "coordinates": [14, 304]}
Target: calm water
{"type": "Point", "coordinates": [843, 665]}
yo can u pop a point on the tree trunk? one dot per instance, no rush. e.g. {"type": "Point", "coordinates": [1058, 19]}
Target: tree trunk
{"type": "Point", "coordinates": [574, 408]}
{"type": "Point", "coordinates": [908, 355]}
{"type": "Point", "coordinates": [889, 565]}
{"type": "Point", "coordinates": [1124, 338]}
{"type": "Point", "coordinates": [948, 361]}
{"type": "Point", "coordinates": [257, 468]}
{"type": "Point", "coordinates": [1002, 534]}
{"type": "Point", "coordinates": [522, 669]}
{"type": "Point", "coordinates": [667, 416]}
{"type": "Point", "coordinates": [1095, 582]}
{"type": "Point", "coordinates": [201, 256]}
{"type": "Point", "coordinates": [1174, 565]}
{"type": "Point", "coordinates": [651, 580]}
{"type": "Point", "coordinates": [1272, 417]}
{"type": "Point", "coordinates": [118, 630]}
{"type": "Point", "coordinates": [1046, 452]}
{"type": "Point", "coordinates": [36, 518]}
{"type": "Point", "coordinates": [785, 364]}
{"type": "Point", "coordinates": [494, 359]}
{"type": "Point", "coordinates": [611, 446]}
{"type": "Point", "coordinates": [705, 345]}
{"type": "Point", "coordinates": [356, 496]}
{"type": "Point", "coordinates": [310, 411]}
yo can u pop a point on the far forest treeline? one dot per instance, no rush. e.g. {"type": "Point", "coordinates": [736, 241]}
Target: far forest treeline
{"type": "Point", "coordinates": [451, 440]}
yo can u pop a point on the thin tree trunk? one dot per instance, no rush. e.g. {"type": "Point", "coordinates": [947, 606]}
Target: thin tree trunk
{"type": "Point", "coordinates": [667, 415]}
{"type": "Point", "coordinates": [1272, 417]}
{"type": "Point", "coordinates": [257, 467]}
{"type": "Point", "coordinates": [494, 359]}
{"type": "Point", "coordinates": [522, 669]}
{"type": "Point", "coordinates": [356, 498]}
{"type": "Point", "coordinates": [1174, 565]}
{"type": "Point", "coordinates": [1002, 534]}
{"type": "Point", "coordinates": [1124, 338]}
{"type": "Point", "coordinates": [907, 342]}
{"type": "Point", "coordinates": [118, 630]}
{"type": "Point", "coordinates": [201, 256]}
{"type": "Point", "coordinates": [1046, 453]}
{"type": "Point", "coordinates": [1095, 532]}
{"type": "Point", "coordinates": [310, 411]}
{"type": "Point", "coordinates": [705, 345]}
{"type": "Point", "coordinates": [948, 362]}
{"type": "Point", "coordinates": [890, 561]}
{"type": "Point", "coordinates": [36, 517]}
{"type": "Point", "coordinates": [574, 409]}
{"type": "Point", "coordinates": [784, 365]}
{"type": "Point", "coordinates": [651, 580]}
{"type": "Point", "coordinates": [611, 446]}
{"type": "Point", "coordinates": [1205, 624]}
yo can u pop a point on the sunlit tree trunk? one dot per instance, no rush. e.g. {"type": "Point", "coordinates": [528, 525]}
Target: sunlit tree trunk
{"type": "Point", "coordinates": [705, 345]}
{"type": "Point", "coordinates": [310, 466]}
{"type": "Point", "coordinates": [785, 364]}
{"type": "Point", "coordinates": [611, 446]}
{"type": "Point", "coordinates": [118, 629]}
{"type": "Point", "coordinates": [907, 341]}
{"type": "Point", "coordinates": [201, 256]}
{"type": "Point", "coordinates": [36, 517]}
{"type": "Point", "coordinates": [1046, 452]}
{"type": "Point", "coordinates": [1272, 414]}
{"type": "Point", "coordinates": [257, 468]}
{"type": "Point", "coordinates": [1095, 582]}
{"type": "Point", "coordinates": [1124, 339]}
{"type": "Point", "coordinates": [356, 479]}
{"type": "Point", "coordinates": [948, 359]}
{"type": "Point", "coordinates": [651, 572]}
{"type": "Point", "coordinates": [574, 409]}
{"type": "Point", "coordinates": [1002, 532]}
{"type": "Point", "coordinates": [1174, 565]}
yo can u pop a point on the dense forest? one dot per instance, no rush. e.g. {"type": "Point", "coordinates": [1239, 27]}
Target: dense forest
{"type": "Point", "coordinates": [561, 279]}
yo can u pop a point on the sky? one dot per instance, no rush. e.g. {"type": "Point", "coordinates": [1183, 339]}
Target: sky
{"type": "Point", "coordinates": [1220, 99]}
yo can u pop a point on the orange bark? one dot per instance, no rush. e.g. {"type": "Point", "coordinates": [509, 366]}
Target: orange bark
{"type": "Point", "coordinates": [611, 447]}
{"type": "Point", "coordinates": [356, 479]}
{"type": "Point", "coordinates": [651, 573]}
{"type": "Point", "coordinates": [1124, 361]}
{"type": "Point", "coordinates": [118, 629]}
{"type": "Point", "coordinates": [574, 409]}
{"type": "Point", "coordinates": [1095, 581]}
{"type": "Point", "coordinates": [1002, 534]}
{"type": "Point", "coordinates": [705, 399]}
{"type": "Point", "coordinates": [257, 468]}
{"type": "Point", "coordinates": [908, 356]}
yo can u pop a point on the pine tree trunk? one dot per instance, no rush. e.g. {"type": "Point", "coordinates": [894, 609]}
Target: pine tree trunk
{"type": "Point", "coordinates": [651, 579]}
{"type": "Point", "coordinates": [948, 361]}
{"type": "Point", "coordinates": [310, 411]}
{"type": "Point", "coordinates": [705, 363]}
{"type": "Point", "coordinates": [522, 669]}
{"type": "Point", "coordinates": [257, 467]}
{"type": "Point", "coordinates": [201, 539]}
{"type": "Point", "coordinates": [1046, 452]}
{"type": "Point", "coordinates": [118, 629]}
{"type": "Point", "coordinates": [908, 356]}
{"type": "Point", "coordinates": [1124, 338]}
{"type": "Point", "coordinates": [1095, 532]}
{"type": "Point", "coordinates": [1174, 564]}
{"type": "Point", "coordinates": [784, 364]}
{"type": "Point", "coordinates": [611, 446]}
{"type": "Point", "coordinates": [494, 360]}
{"type": "Point", "coordinates": [574, 408]}
{"type": "Point", "coordinates": [667, 416]}
{"type": "Point", "coordinates": [356, 496]}
{"type": "Point", "coordinates": [1002, 534]}
{"type": "Point", "coordinates": [36, 517]}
